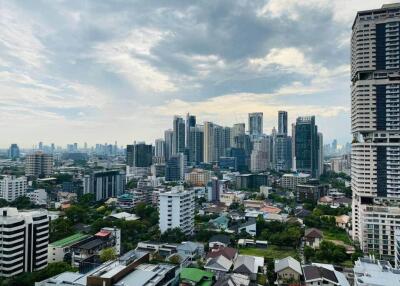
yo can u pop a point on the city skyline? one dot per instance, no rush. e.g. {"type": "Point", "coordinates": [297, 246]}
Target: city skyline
{"type": "Point", "coordinates": [71, 77]}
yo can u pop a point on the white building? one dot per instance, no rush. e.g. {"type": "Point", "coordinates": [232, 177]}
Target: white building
{"type": "Point", "coordinates": [370, 271]}
{"type": "Point", "coordinates": [290, 181]}
{"type": "Point", "coordinates": [375, 123]}
{"type": "Point", "coordinates": [24, 237]}
{"type": "Point", "coordinates": [260, 156]}
{"type": "Point", "coordinates": [12, 187]}
{"type": "Point", "coordinates": [176, 210]}
{"type": "Point", "coordinates": [38, 197]}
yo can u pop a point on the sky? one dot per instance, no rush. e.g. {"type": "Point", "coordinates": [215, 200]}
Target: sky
{"type": "Point", "coordinates": [105, 71]}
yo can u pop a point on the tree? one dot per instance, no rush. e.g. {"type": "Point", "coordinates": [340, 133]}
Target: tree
{"type": "Point", "coordinates": [60, 228]}
{"type": "Point", "coordinates": [173, 235]}
{"type": "Point", "coordinates": [108, 254]}
{"type": "Point", "coordinates": [175, 259]}
{"type": "Point", "coordinates": [76, 213]}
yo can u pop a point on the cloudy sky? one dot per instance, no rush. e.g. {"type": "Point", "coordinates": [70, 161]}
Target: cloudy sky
{"type": "Point", "coordinates": [100, 71]}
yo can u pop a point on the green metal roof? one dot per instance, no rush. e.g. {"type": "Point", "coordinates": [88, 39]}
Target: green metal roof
{"type": "Point", "coordinates": [69, 240]}
{"type": "Point", "coordinates": [201, 277]}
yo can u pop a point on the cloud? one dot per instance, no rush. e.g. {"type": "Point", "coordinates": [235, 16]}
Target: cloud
{"type": "Point", "coordinates": [19, 37]}
{"type": "Point", "coordinates": [129, 56]}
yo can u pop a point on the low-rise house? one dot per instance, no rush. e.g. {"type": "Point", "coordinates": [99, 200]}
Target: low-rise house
{"type": "Point", "coordinates": [288, 270]}
{"type": "Point", "coordinates": [191, 249]}
{"type": "Point", "coordinates": [343, 221]}
{"type": "Point", "coordinates": [196, 277]}
{"type": "Point", "coordinates": [123, 215]}
{"type": "Point", "coordinates": [219, 265]}
{"type": "Point", "coordinates": [233, 279]}
{"type": "Point", "coordinates": [220, 223]}
{"type": "Point", "coordinates": [252, 243]}
{"type": "Point", "coordinates": [219, 240]}
{"type": "Point", "coordinates": [228, 252]}
{"type": "Point", "coordinates": [162, 249]}
{"type": "Point", "coordinates": [249, 227]}
{"type": "Point", "coordinates": [313, 237]}
{"type": "Point", "coordinates": [59, 250]}
{"type": "Point", "coordinates": [323, 274]}
{"type": "Point", "coordinates": [248, 265]}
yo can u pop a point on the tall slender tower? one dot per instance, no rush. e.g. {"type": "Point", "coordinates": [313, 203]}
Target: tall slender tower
{"type": "Point", "coordinates": [375, 123]}
{"type": "Point", "coordinates": [256, 123]}
{"type": "Point", "coordinates": [178, 142]}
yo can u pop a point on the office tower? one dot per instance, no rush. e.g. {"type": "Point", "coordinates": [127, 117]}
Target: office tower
{"type": "Point", "coordinates": [375, 122]}
{"type": "Point", "coordinates": [39, 164]}
{"type": "Point", "coordinates": [237, 130]}
{"type": "Point", "coordinates": [178, 139]}
{"type": "Point", "coordinates": [139, 155]}
{"type": "Point", "coordinates": [104, 184]}
{"type": "Point", "coordinates": [12, 187]}
{"type": "Point", "coordinates": [196, 144]}
{"type": "Point", "coordinates": [320, 154]}
{"type": "Point", "coordinates": [40, 146]}
{"type": "Point", "coordinates": [175, 168]}
{"type": "Point", "coordinates": [283, 152]}
{"type": "Point", "coordinates": [25, 238]}
{"type": "Point", "coordinates": [168, 137]}
{"type": "Point", "coordinates": [306, 146]}
{"type": "Point", "coordinates": [13, 152]}
{"type": "Point", "coordinates": [256, 123]}
{"type": "Point", "coordinates": [209, 143]}
{"type": "Point", "coordinates": [282, 122]}
{"type": "Point", "coordinates": [334, 145]}
{"type": "Point", "coordinates": [226, 140]}
{"type": "Point", "coordinates": [176, 210]}
{"type": "Point", "coordinates": [159, 150]}
{"type": "Point", "coordinates": [190, 122]}
{"type": "Point", "coordinates": [260, 156]}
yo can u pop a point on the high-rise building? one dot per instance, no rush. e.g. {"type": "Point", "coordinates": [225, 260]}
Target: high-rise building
{"type": "Point", "coordinates": [25, 238]}
{"type": "Point", "coordinates": [104, 184]}
{"type": "Point", "coordinates": [238, 129]}
{"type": "Point", "coordinates": [159, 149]}
{"type": "Point", "coordinates": [306, 146]}
{"type": "Point", "coordinates": [178, 139]}
{"type": "Point", "coordinates": [375, 122]}
{"type": "Point", "coordinates": [282, 122]}
{"type": "Point", "coordinates": [260, 156]}
{"type": "Point", "coordinates": [209, 143]}
{"type": "Point", "coordinates": [175, 168]}
{"type": "Point", "coordinates": [12, 187]}
{"type": "Point", "coordinates": [256, 123]}
{"type": "Point", "coordinates": [196, 144]}
{"type": "Point", "coordinates": [139, 155]}
{"type": "Point", "coordinates": [176, 209]}
{"type": "Point", "coordinates": [190, 122]}
{"type": "Point", "coordinates": [13, 152]}
{"type": "Point", "coordinates": [168, 137]}
{"type": "Point", "coordinates": [39, 164]}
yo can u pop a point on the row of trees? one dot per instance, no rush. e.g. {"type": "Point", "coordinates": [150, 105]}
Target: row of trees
{"type": "Point", "coordinates": [279, 233]}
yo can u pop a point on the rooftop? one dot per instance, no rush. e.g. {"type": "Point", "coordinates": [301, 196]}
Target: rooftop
{"type": "Point", "coordinates": [69, 240]}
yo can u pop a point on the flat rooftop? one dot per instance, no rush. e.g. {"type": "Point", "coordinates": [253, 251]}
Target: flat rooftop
{"type": "Point", "coordinates": [69, 240]}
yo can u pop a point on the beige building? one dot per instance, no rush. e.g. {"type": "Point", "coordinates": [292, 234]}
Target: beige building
{"type": "Point", "coordinates": [287, 270]}
{"type": "Point", "coordinates": [198, 177]}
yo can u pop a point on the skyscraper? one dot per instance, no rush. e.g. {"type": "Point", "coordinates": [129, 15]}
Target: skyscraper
{"type": "Point", "coordinates": [237, 130]}
{"type": "Point", "coordinates": [196, 144]}
{"type": "Point", "coordinates": [209, 154]}
{"type": "Point", "coordinates": [306, 146]}
{"type": "Point", "coordinates": [139, 155]}
{"type": "Point", "coordinates": [282, 122]}
{"type": "Point", "coordinates": [159, 148]}
{"type": "Point", "coordinates": [375, 122]}
{"type": "Point", "coordinates": [190, 122]}
{"type": "Point", "coordinates": [260, 156]}
{"type": "Point", "coordinates": [168, 137]}
{"type": "Point", "coordinates": [178, 139]}
{"type": "Point", "coordinates": [256, 123]}
{"type": "Point", "coordinates": [175, 168]}
{"type": "Point", "coordinates": [13, 152]}
{"type": "Point", "coordinates": [104, 184]}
